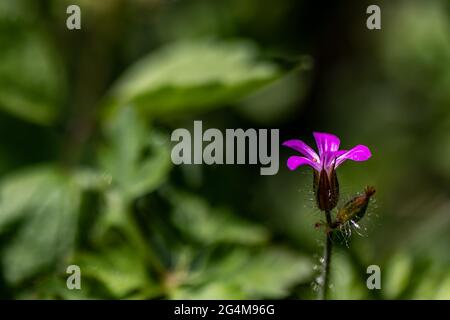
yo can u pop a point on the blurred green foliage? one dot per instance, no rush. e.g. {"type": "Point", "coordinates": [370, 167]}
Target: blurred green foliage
{"type": "Point", "coordinates": [185, 76]}
{"type": "Point", "coordinates": [86, 176]}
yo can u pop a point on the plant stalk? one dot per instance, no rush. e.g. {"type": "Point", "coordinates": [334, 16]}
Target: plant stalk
{"type": "Point", "coordinates": [325, 276]}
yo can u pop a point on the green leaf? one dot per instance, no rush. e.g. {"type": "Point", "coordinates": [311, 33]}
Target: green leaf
{"type": "Point", "coordinates": [268, 273]}
{"type": "Point", "coordinates": [428, 283]}
{"type": "Point", "coordinates": [278, 100]}
{"type": "Point", "coordinates": [398, 275]}
{"type": "Point", "coordinates": [345, 283]}
{"type": "Point", "coordinates": [443, 292]}
{"type": "Point", "coordinates": [31, 73]}
{"type": "Point", "coordinates": [17, 12]}
{"type": "Point", "coordinates": [41, 206]}
{"type": "Point", "coordinates": [193, 216]}
{"type": "Point", "coordinates": [186, 76]}
{"type": "Point", "coordinates": [137, 160]}
{"type": "Point", "coordinates": [90, 179]}
{"type": "Point", "coordinates": [119, 269]}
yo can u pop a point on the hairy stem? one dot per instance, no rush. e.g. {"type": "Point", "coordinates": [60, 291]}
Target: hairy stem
{"type": "Point", "coordinates": [325, 276]}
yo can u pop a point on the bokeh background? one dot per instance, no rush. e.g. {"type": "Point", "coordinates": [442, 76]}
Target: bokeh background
{"type": "Point", "coordinates": [85, 170]}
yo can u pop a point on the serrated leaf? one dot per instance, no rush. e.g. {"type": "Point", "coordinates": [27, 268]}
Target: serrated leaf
{"type": "Point", "coordinates": [268, 273]}
{"type": "Point", "coordinates": [207, 225]}
{"type": "Point", "coordinates": [118, 269]}
{"type": "Point", "coordinates": [136, 159]}
{"type": "Point", "coordinates": [41, 206]}
{"type": "Point", "coordinates": [188, 76]}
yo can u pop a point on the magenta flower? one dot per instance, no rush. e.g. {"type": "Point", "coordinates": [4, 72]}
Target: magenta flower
{"type": "Point", "coordinates": [324, 164]}
{"type": "Point", "coordinates": [329, 154]}
{"type": "Point", "coordinates": [326, 187]}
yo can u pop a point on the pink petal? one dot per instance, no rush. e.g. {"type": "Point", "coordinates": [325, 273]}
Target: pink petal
{"type": "Point", "coordinates": [327, 160]}
{"type": "Point", "coordinates": [339, 153]}
{"type": "Point", "coordinates": [295, 161]}
{"type": "Point", "coordinates": [303, 148]}
{"type": "Point", "coordinates": [326, 142]}
{"type": "Point", "coordinates": [358, 153]}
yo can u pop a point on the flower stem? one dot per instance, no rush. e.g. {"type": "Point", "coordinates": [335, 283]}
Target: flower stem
{"type": "Point", "coordinates": [325, 277]}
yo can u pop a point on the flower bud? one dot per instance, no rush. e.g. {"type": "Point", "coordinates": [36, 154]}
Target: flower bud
{"type": "Point", "coordinates": [326, 189]}
{"type": "Point", "coordinates": [355, 208]}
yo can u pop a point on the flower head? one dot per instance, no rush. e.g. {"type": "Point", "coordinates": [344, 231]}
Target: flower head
{"type": "Point", "coordinates": [329, 156]}
{"type": "Point", "coordinates": [326, 186]}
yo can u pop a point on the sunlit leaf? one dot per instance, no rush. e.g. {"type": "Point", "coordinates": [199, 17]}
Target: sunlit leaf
{"type": "Point", "coordinates": [268, 273]}
{"type": "Point", "coordinates": [194, 75]}
{"type": "Point", "coordinates": [210, 225]}
{"type": "Point", "coordinates": [41, 207]}
{"type": "Point", "coordinates": [345, 283]}
{"type": "Point", "coordinates": [119, 269]}
{"type": "Point", "coordinates": [397, 275]}
{"type": "Point", "coordinates": [136, 159]}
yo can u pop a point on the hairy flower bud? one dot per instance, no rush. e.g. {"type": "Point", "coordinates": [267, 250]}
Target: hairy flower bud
{"type": "Point", "coordinates": [326, 189]}
{"type": "Point", "coordinates": [354, 209]}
